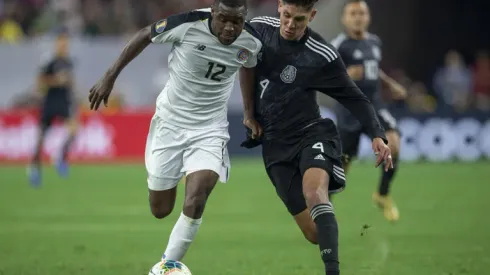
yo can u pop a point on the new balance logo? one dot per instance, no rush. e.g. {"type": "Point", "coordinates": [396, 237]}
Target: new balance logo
{"type": "Point", "coordinates": [319, 157]}
{"type": "Point", "coordinates": [200, 47]}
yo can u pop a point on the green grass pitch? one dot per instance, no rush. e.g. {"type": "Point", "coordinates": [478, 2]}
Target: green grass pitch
{"type": "Point", "coordinates": [98, 222]}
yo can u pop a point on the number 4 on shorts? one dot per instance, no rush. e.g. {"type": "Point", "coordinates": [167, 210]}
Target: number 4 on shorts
{"type": "Point", "coordinates": [318, 146]}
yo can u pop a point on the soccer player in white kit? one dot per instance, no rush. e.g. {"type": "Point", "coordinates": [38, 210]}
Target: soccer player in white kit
{"type": "Point", "coordinates": [189, 132]}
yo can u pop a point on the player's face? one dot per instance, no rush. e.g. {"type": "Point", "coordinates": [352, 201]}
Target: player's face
{"type": "Point", "coordinates": [356, 17]}
{"type": "Point", "coordinates": [62, 45]}
{"type": "Point", "coordinates": [294, 20]}
{"type": "Point", "coordinates": [227, 22]}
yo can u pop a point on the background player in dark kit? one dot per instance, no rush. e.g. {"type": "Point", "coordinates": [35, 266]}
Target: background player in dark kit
{"type": "Point", "coordinates": [302, 151]}
{"type": "Point", "coordinates": [361, 52]}
{"type": "Point", "coordinates": [56, 83]}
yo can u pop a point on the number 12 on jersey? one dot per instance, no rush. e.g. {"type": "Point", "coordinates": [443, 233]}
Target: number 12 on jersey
{"type": "Point", "coordinates": [264, 83]}
{"type": "Point", "coordinates": [214, 76]}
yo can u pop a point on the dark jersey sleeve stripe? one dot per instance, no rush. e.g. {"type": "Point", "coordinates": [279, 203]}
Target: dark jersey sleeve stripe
{"type": "Point", "coordinates": [248, 27]}
{"type": "Point", "coordinates": [176, 20]}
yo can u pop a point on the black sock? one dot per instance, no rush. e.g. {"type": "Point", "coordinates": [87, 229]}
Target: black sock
{"type": "Point", "coordinates": [328, 236]}
{"type": "Point", "coordinates": [387, 178]}
{"type": "Point", "coordinates": [66, 146]}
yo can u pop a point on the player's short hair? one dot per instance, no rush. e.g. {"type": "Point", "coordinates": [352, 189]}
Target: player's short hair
{"type": "Point", "coordinates": [231, 3]}
{"type": "Point", "coordinates": [348, 2]}
{"type": "Point", "coordinates": [306, 4]}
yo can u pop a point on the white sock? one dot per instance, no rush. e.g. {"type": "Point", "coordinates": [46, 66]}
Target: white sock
{"type": "Point", "coordinates": [181, 237]}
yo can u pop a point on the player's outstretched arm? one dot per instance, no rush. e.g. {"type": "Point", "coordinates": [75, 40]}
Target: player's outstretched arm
{"type": "Point", "coordinates": [335, 82]}
{"type": "Point", "coordinates": [103, 88]}
{"type": "Point", "coordinates": [247, 85]}
{"type": "Point", "coordinates": [397, 90]}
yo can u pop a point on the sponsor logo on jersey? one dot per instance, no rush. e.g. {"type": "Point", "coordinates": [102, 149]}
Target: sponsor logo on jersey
{"type": "Point", "coordinates": [160, 26]}
{"type": "Point", "coordinates": [319, 157]}
{"type": "Point", "coordinates": [200, 47]}
{"type": "Point", "coordinates": [288, 75]}
{"type": "Point", "coordinates": [243, 55]}
{"type": "Point", "coordinates": [357, 54]}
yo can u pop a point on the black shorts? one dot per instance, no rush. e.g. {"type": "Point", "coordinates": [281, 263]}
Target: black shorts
{"type": "Point", "coordinates": [286, 162]}
{"type": "Point", "coordinates": [51, 111]}
{"type": "Point", "coordinates": [350, 136]}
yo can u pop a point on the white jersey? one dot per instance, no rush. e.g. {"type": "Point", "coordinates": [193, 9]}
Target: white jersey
{"type": "Point", "coordinates": [202, 71]}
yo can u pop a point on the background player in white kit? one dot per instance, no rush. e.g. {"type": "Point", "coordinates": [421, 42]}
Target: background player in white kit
{"type": "Point", "coordinates": [189, 132]}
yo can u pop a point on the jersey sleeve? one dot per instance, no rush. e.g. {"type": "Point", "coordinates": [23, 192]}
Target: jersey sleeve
{"type": "Point", "coordinates": [47, 69]}
{"type": "Point", "coordinates": [339, 44]}
{"type": "Point", "coordinates": [252, 61]}
{"type": "Point", "coordinates": [173, 28]}
{"type": "Point", "coordinates": [336, 83]}
{"type": "Point", "coordinates": [263, 24]}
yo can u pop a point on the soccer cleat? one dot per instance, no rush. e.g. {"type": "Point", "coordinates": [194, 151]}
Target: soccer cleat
{"type": "Point", "coordinates": [390, 211]}
{"type": "Point", "coordinates": [62, 167]}
{"type": "Point", "coordinates": [34, 174]}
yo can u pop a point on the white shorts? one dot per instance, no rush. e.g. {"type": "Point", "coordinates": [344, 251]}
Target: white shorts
{"type": "Point", "coordinates": [173, 152]}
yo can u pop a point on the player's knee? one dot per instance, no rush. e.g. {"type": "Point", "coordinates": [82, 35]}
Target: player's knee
{"type": "Point", "coordinates": [161, 211]}
{"type": "Point", "coordinates": [194, 205]}
{"type": "Point", "coordinates": [162, 203]}
{"type": "Point", "coordinates": [199, 187]}
{"type": "Point", "coordinates": [315, 186]}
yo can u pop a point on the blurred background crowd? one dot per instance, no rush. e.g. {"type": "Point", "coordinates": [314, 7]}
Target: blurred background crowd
{"type": "Point", "coordinates": [456, 83]}
{"type": "Point", "coordinates": [21, 18]}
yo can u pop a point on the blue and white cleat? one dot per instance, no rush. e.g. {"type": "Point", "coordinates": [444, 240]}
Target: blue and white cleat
{"type": "Point", "coordinates": [34, 174]}
{"type": "Point", "coordinates": [62, 167]}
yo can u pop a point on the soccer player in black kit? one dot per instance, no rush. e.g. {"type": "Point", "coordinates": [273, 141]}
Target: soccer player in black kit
{"type": "Point", "coordinates": [301, 151]}
{"type": "Point", "coordinates": [361, 53]}
{"type": "Point", "coordinates": [55, 82]}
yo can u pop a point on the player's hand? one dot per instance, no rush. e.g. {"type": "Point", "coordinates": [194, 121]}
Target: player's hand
{"type": "Point", "coordinates": [356, 72]}
{"type": "Point", "coordinates": [383, 153]}
{"type": "Point", "coordinates": [253, 125]}
{"type": "Point", "coordinates": [100, 92]}
{"type": "Point", "coordinates": [398, 92]}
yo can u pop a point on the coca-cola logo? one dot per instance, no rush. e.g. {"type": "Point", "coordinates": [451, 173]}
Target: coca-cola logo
{"type": "Point", "coordinates": [94, 139]}
{"type": "Point", "coordinates": [439, 139]}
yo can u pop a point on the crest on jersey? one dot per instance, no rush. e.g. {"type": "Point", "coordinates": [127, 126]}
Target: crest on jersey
{"type": "Point", "coordinates": [161, 25]}
{"type": "Point", "coordinates": [357, 54]}
{"type": "Point", "coordinates": [243, 55]}
{"type": "Point", "coordinates": [288, 75]}
{"type": "Point", "coordinates": [376, 52]}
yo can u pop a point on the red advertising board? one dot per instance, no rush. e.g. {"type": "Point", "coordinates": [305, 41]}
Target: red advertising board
{"type": "Point", "coordinates": [101, 137]}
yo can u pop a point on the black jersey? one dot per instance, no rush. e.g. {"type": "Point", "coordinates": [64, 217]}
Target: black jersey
{"type": "Point", "coordinates": [365, 52]}
{"type": "Point", "coordinates": [59, 67]}
{"type": "Point", "coordinates": [288, 75]}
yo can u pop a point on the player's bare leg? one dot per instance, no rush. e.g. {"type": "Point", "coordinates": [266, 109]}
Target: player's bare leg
{"type": "Point", "coordinates": [382, 197]}
{"type": "Point", "coordinates": [34, 170]}
{"type": "Point", "coordinates": [162, 202]}
{"type": "Point", "coordinates": [307, 226]}
{"type": "Point", "coordinates": [198, 187]}
{"type": "Point", "coordinates": [62, 160]}
{"type": "Point", "coordinates": [315, 190]}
